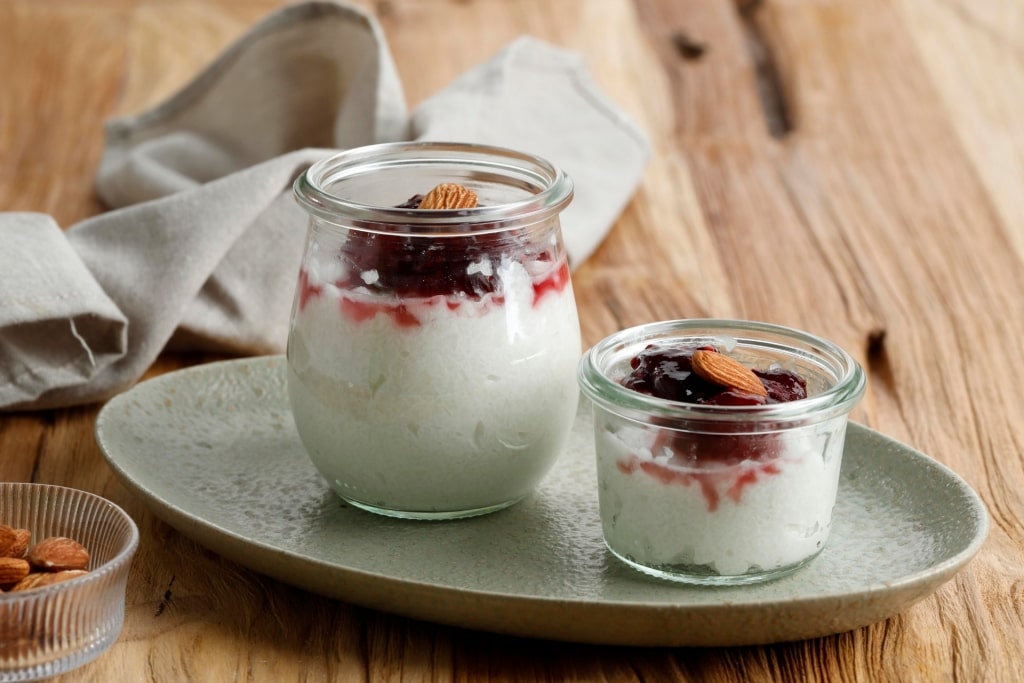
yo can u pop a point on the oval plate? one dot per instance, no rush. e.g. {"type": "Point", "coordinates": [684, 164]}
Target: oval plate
{"type": "Point", "coordinates": [213, 451]}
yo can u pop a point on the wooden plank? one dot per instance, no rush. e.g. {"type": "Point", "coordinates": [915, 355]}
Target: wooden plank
{"type": "Point", "coordinates": [52, 108]}
{"type": "Point", "coordinates": [846, 167]}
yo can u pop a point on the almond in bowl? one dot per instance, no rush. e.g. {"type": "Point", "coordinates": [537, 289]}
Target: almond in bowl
{"type": "Point", "coordinates": [52, 560]}
{"type": "Point", "coordinates": [64, 561]}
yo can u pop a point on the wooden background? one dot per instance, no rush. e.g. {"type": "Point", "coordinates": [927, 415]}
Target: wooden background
{"type": "Point", "coordinates": [853, 168]}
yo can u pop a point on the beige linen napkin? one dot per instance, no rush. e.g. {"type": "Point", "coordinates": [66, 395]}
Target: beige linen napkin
{"type": "Point", "coordinates": [202, 245]}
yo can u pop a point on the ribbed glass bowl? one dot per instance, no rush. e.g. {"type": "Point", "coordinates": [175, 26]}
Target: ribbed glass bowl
{"type": "Point", "coordinates": [53, 629]}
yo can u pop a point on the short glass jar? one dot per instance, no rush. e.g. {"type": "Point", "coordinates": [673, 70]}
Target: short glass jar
{"type": "Point", "coordinates": [432, 353]}
{"type": "Point", "coordinates": [719, 494]}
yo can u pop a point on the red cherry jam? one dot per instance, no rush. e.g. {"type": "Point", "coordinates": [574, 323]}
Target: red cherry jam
{"type": "Point", "coordinates": [667, 372]}
{"type": "Point", "coordinates": [392, 268]}
{"type": "Point", "coordinates": [733, 461]}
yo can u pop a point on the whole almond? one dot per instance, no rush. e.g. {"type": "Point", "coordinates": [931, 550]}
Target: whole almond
{"type": "Point", "coordinates": [8, 539]}
{"type": "Point", "coordinates": [449, 196]}
{"type": "Point", "coordinates": [31, 581]}
{"type": "Point", "coordinates": [22, 539]}
{"type": "Point", "coordinates": [12, 570]}
{"type": "Point", "coordinates": [58, 553]}
{"type": "Point", "coordinates": [40, 579]}
{"type": "Point", "coordinates": [726, 371]}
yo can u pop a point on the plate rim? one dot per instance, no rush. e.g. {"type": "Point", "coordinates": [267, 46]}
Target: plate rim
{"type": "Point", "coordinates": [198, 529]}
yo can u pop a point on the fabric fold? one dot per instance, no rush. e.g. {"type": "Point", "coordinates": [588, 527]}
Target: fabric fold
{"type": "Point", "coordinates": [316, 74]}
{"type": "Point", "coordinates": [58, 327]}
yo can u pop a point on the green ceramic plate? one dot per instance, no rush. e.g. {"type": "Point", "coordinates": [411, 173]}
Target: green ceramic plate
{"type": "Point", "coordinates": [213, 451]}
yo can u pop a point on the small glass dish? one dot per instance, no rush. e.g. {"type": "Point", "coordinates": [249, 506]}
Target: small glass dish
{"type": "Point", "coordinates": [50, 630]}
{"type": "Point", "coordinates": [719, 494]}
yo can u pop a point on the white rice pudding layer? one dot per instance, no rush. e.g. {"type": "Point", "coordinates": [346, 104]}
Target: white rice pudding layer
{"type": "Point", "coordinates": [435, 404]}
{"type": "Point", "coordinates": [731, 519]}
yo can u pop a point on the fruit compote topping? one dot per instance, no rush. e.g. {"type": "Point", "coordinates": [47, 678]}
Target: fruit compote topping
{"type": "Point", "coordinates": [718, 463]}
{"type": "Point", "coordinates": [667, 372]}
{"type": "Point", "coordinates": [395, 267]}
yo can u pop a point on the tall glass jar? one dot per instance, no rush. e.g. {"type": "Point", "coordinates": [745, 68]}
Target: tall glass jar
{"type": "Point", "coordinates": [432, 352]}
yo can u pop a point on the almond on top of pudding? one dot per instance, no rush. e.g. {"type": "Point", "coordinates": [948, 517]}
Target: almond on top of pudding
{"type": "Point", "coordinates": [718, 445]}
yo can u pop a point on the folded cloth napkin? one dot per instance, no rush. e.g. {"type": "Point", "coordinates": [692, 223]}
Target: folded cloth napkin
{"type": "Point", "coordinates": [202, 244]}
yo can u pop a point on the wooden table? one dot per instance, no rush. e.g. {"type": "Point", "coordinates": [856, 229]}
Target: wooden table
{"type": "Point", "coordinates": [852, 168]}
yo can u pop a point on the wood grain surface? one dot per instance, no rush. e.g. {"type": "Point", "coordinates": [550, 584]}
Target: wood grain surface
{"type": "Point", "coordinates": [852, 168]}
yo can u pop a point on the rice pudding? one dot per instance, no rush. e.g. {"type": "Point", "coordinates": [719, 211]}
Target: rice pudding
{"type": "Point", "coordinates": [436, 403]}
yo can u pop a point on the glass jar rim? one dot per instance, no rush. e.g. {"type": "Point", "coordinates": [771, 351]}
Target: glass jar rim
{"type": "Point", "coordinates": [311, 187]}
{"type": "Point", "coordinates": [610, 394]}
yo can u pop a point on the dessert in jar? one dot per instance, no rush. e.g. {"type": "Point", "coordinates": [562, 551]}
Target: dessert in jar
{"type": "Point", "coordinates": [719, 445]}
{"type": "Point", "coordinates": [434, 338]}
